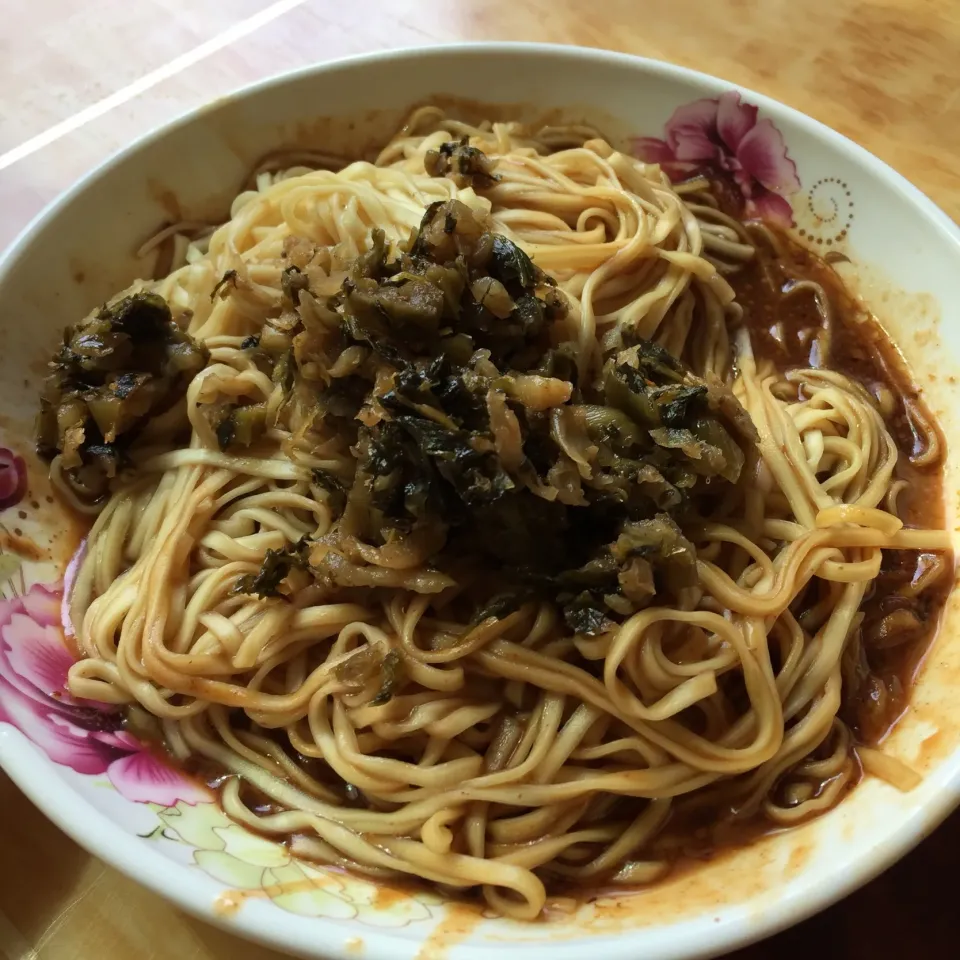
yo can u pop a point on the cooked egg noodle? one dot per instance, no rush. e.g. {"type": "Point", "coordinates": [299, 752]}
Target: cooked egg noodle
{"type": "Point", "coordinates": [509, 755]}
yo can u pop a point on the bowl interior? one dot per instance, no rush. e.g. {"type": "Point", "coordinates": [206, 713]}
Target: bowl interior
{"type": "Point", "coordinates": [905, 264]}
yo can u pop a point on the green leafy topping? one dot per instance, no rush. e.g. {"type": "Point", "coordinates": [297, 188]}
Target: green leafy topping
{"type": "Point", "coordinates": [464, 164]}
{"type": "Point", "coordinates": [292, 281]}
{"type": "Point", "coordinates": [390, 672]}
{"type": "Point", "coordinates": [470, 417]}
{"type": "Point", "coordinates": [334, 488]}
{"type": "Point", "coordinates": [113, 372]}
{"type": "Point", "coordinates": [276, 565]}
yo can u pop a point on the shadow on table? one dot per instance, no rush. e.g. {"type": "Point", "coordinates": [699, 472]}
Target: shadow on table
{"type": "Point", "coordinates": [41, 871]}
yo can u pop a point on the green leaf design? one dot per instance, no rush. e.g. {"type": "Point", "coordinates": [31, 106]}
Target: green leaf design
{"type": "Point", "coordinates": [243, 861]}
{"type": "Point", "coordinates": [229, 870]}
{"type": "Point", "coordinates": [197, 824]}
{"type": "Point", "coordinates": [307, 892]}
{"type": "Point", "coordinates": [248, 847]}
{"type": "Point", "coordinates": [9, 566]}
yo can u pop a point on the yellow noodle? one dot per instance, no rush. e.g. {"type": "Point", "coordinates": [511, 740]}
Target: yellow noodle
{"type": "Point", "coordinates": [459, 791]}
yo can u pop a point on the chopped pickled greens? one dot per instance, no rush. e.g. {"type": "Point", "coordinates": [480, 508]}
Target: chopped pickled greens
{"type": "Point", "coordinates": [390, 670]}
{"type": "Point", "coordinates": [236, 425]}
{"type": "Point", "coordinates": [113, 372]}
{"type": "Point", "coordinates": [464, 164]}
{"type": "Point", "coordinates": [502, 605]}
{"type": "Point", "coordinates": [292, 281]}
{"type": "Point", "coordinates": [333, 487]}
{"type": "Point", "coordinates": [275, 568]}
{"type": "Point", "coordinates": [585, 615]}
{"type": "Point", "coordinates": [488, 455]}
{"type": "Point", "coordinates": [467, 415]}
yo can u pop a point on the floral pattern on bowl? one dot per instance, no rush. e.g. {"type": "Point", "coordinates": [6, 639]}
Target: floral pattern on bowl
{"type": "Point", "coordinates": [89, 738]}
{"type": "Point", "coordinates": [85, 736]}
{"type": "Point", "coordinates": [253, 867]}
{"type": "Point", "coordinates": [13, 478]}
{"type": "Point", "coordinates": [724, 136]}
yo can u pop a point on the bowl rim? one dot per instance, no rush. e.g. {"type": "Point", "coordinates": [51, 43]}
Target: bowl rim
{"type": "Point", "coordinates": [190, 890]}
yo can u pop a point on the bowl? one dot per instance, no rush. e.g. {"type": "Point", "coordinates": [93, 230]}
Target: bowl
{"type": "Point", "coordinates": [899, 253]}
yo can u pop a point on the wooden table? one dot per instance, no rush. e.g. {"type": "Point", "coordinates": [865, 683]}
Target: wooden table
{"type": "Point", "coordinates": [80, 80]}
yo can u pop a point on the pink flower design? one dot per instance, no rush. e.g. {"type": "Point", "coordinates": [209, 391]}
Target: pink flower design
{"type": "Point", "coordinates": [722, 135]}
{"type": "Point", "coordinates": [86, 736]}
{"type": "Point", "coordinates": [13, 478]}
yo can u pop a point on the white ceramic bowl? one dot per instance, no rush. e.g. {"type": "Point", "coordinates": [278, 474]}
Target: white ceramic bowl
{"type": "Point", "coordinates": [102, 789]}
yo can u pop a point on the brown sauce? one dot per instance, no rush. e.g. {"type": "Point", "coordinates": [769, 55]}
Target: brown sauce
{"type": "Point", "coordinates": [787, 330]}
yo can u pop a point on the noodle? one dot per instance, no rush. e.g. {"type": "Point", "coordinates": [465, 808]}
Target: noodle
{"type": "Point", "coordinates": [888, 768]}
{"type": "Point", "coordinates": [390, 736]}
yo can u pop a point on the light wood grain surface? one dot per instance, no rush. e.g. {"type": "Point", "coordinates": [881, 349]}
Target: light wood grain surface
{"type": "Point", "coordinates": [82, 79]}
